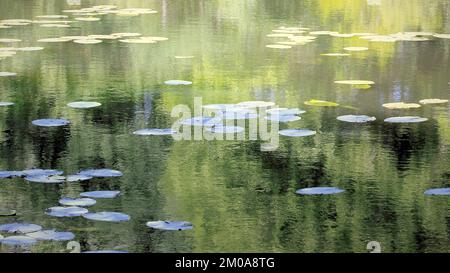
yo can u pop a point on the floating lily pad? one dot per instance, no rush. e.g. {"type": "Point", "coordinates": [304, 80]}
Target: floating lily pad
{"type": "Point", "coordinates": [355, 82]}
{"type": "Point", "coordinates": [20, 228]}
{"type": "Point", "coordinates": [18, 241]}
{"type": "Point", "coordinates": [100, 194]}
{"type": "Point", "coordinates": [137, 41]}
{"type": "Point", "coordinates": [84, 104]}
{"type": "Point", "coordinates": [6, 40]}
{"type": "Point", "coordinates": [438, 191]}
{"type": "Point", "coordinates": [442, 36]}
{"type": "Point", "coordinates": [41, 172]}
{"type": "Point", "coordinates": [405, 119]}
{"type": "Point", "coordinates": [88, 19]}
{"type": "Point", "coordinates": [51, 235]}
{"type": "Point", "coordinates": [237, 115]}
{"type": "Point", "coordinates": [255, 104]}
{"type": "Point", "coordinates": [356, 48]}
{"type": "Point", "coordinates": [225, 129]}
{"type": "Point", "coordinates": [55, 40]}
{"type": "Point", "coordinates": [356, 118]}
{"type": "Point", "coordinates": [335, 54]}
{"type": "Point", "coordinates": [323, 32]}
{"type": "Point", "coordinates": [104, 251]}
{"type": "Point", "coordinates": [107, 216]}
{"type": "Point", "coordinates": [10, 174]}
{"type": "Point", "coordinates": [50, 122]}
{"type": "Point", "coordinates": [202, 121]}
{"type": "Point", "coordinates": [284, 111]}
{"type": "Point", "coordinates": [400, 105]}
{"type": "Point", "coordinates": [77, 178]}
{"type": "Point", "coordinates": [52, 16]}
{"type": "Point", "coordinates": [321, 103]}
{"type": "Point", "coordinates": [283, 118]}
{"type": "Point", "coordinates": [4, 103]}
{"type": "Point", "coordinates": [7, 74]}
{"type": "Point", "coordinates": [184, 57]}
{"type": "Point", "coordinates": [53, 179]}
{"type": "Point", "coordinates": [101, 173]}
{"type": "Point", "coordinates": [297, 132]}
{"type": "Point", "coordinates": [432, 101]}
{"type": "Point", "coordinates": [66, 211]}
{"type": "Point", "coordinates": [154, 132]}
{"type": "Point", "coordinates": [319, 191]}
{"type": "Point", "coordinates": [177, 82]}
{"type": "Point", "coordinates": [170, 225]}
{"type": "Point", "coordinates": [77, 202]}
{"type": "Point", "coordinates": [87, 41]}
{"type": "Point", "coordinates": [278, 46]}
{"type": "Point", "coordinates": [55, 25]}
{"type": "Point", "coordinates": [7, 212]}
{"type": "Point", "coordinates": [127, 34]}
{"type": "Point", "coordinates": [31, 48]}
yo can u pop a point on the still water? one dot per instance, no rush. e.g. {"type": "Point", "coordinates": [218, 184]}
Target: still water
{"type": "Point", "coordinates": [238, 198]}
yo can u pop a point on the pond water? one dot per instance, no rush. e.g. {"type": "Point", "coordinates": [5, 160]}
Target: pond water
{"type": "Point", "coordinates": [237, 197]}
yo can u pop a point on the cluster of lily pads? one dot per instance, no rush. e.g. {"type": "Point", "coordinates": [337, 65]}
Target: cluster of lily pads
{"type": "Point", "coordinates": [29, 234]}
{"type": "Point", "coordinates": [25, 234]}
{"type": "Point", "coordinates": [91, 14]}
{"type": "Point", "coordinates": [293, 36]}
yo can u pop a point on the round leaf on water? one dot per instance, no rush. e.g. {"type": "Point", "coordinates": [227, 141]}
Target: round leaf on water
{"type": "Point", "coordinates": [77, 178]}
{"type": "Point", "coordinates": [321, 103]}
{"type": "Point", "coordinates": [356, 118]}
{"type": "Point", "coordinates": [202, 121]}
{"type": "Point", "coordinates": [51, 235]}
{"type": "Point", "coordinates": [84, 104]}
{"type": "Point", "coordinates": [335, 54]}
{"type": "Point", "coordinates": [77, 202]}
{"type": "Point", "coordinates": [54, 179]}
{"type": "Point", "coordinates": [170, 225]}
{"type": "Point", "coordinates": [100, 194]}
{"type": "Point", "coordinates": [177, 82]}
{"type": "Point", "coordinates": [10, 174]}
{"type": "Point", "coordinates": [7, 212]}
{"type": "Point", "coordinates": [297, 132]}
{"type": "Point", "coordinates": [107, 216]}
{"type": "Point", "coordinates": [432, 101]}
{"type": "Point", "coordinates": [355, 82]}
{"type": "Point", "coordinates": [405, 119]}
{"type": "Point", "coordinates": [18, 241]}
{"type": "Point", "coordinates": [284, 111]}
{"type": "Point", "coordinates": [41, 172]}
{"type": "Point", "coordinates": [255, 104]}
{"type": "Point", "coordinates": [66, 211]}
{"type": "Point", "coordinates": [87, 41]}
{"type": "Point", "coordinates": [7, 74]}
{"type": "Point", "coordinates": [319, 191]}
{"type": "Point", "coordinates": [400, 105]}
{"type": "Point", "coordinates": [438, 191]}
{"type": "Point", "coordinates": [101, 173]}
{"type": "Point", "coordinates": [50, 122]}
{"type": "Point", "coordinates": [20, 228]}
{"type": "Point", "coordinates": [278, 46]}
{"type": "Point", "coordinates": [356, 48]}
{"type": "Point", "coordinates": [225, 129]}
{"type": "Point", "coordinates": [283, 118]}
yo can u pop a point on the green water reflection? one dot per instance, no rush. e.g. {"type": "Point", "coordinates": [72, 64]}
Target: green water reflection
{"type": "Point", "coordinates": [238, 198]}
